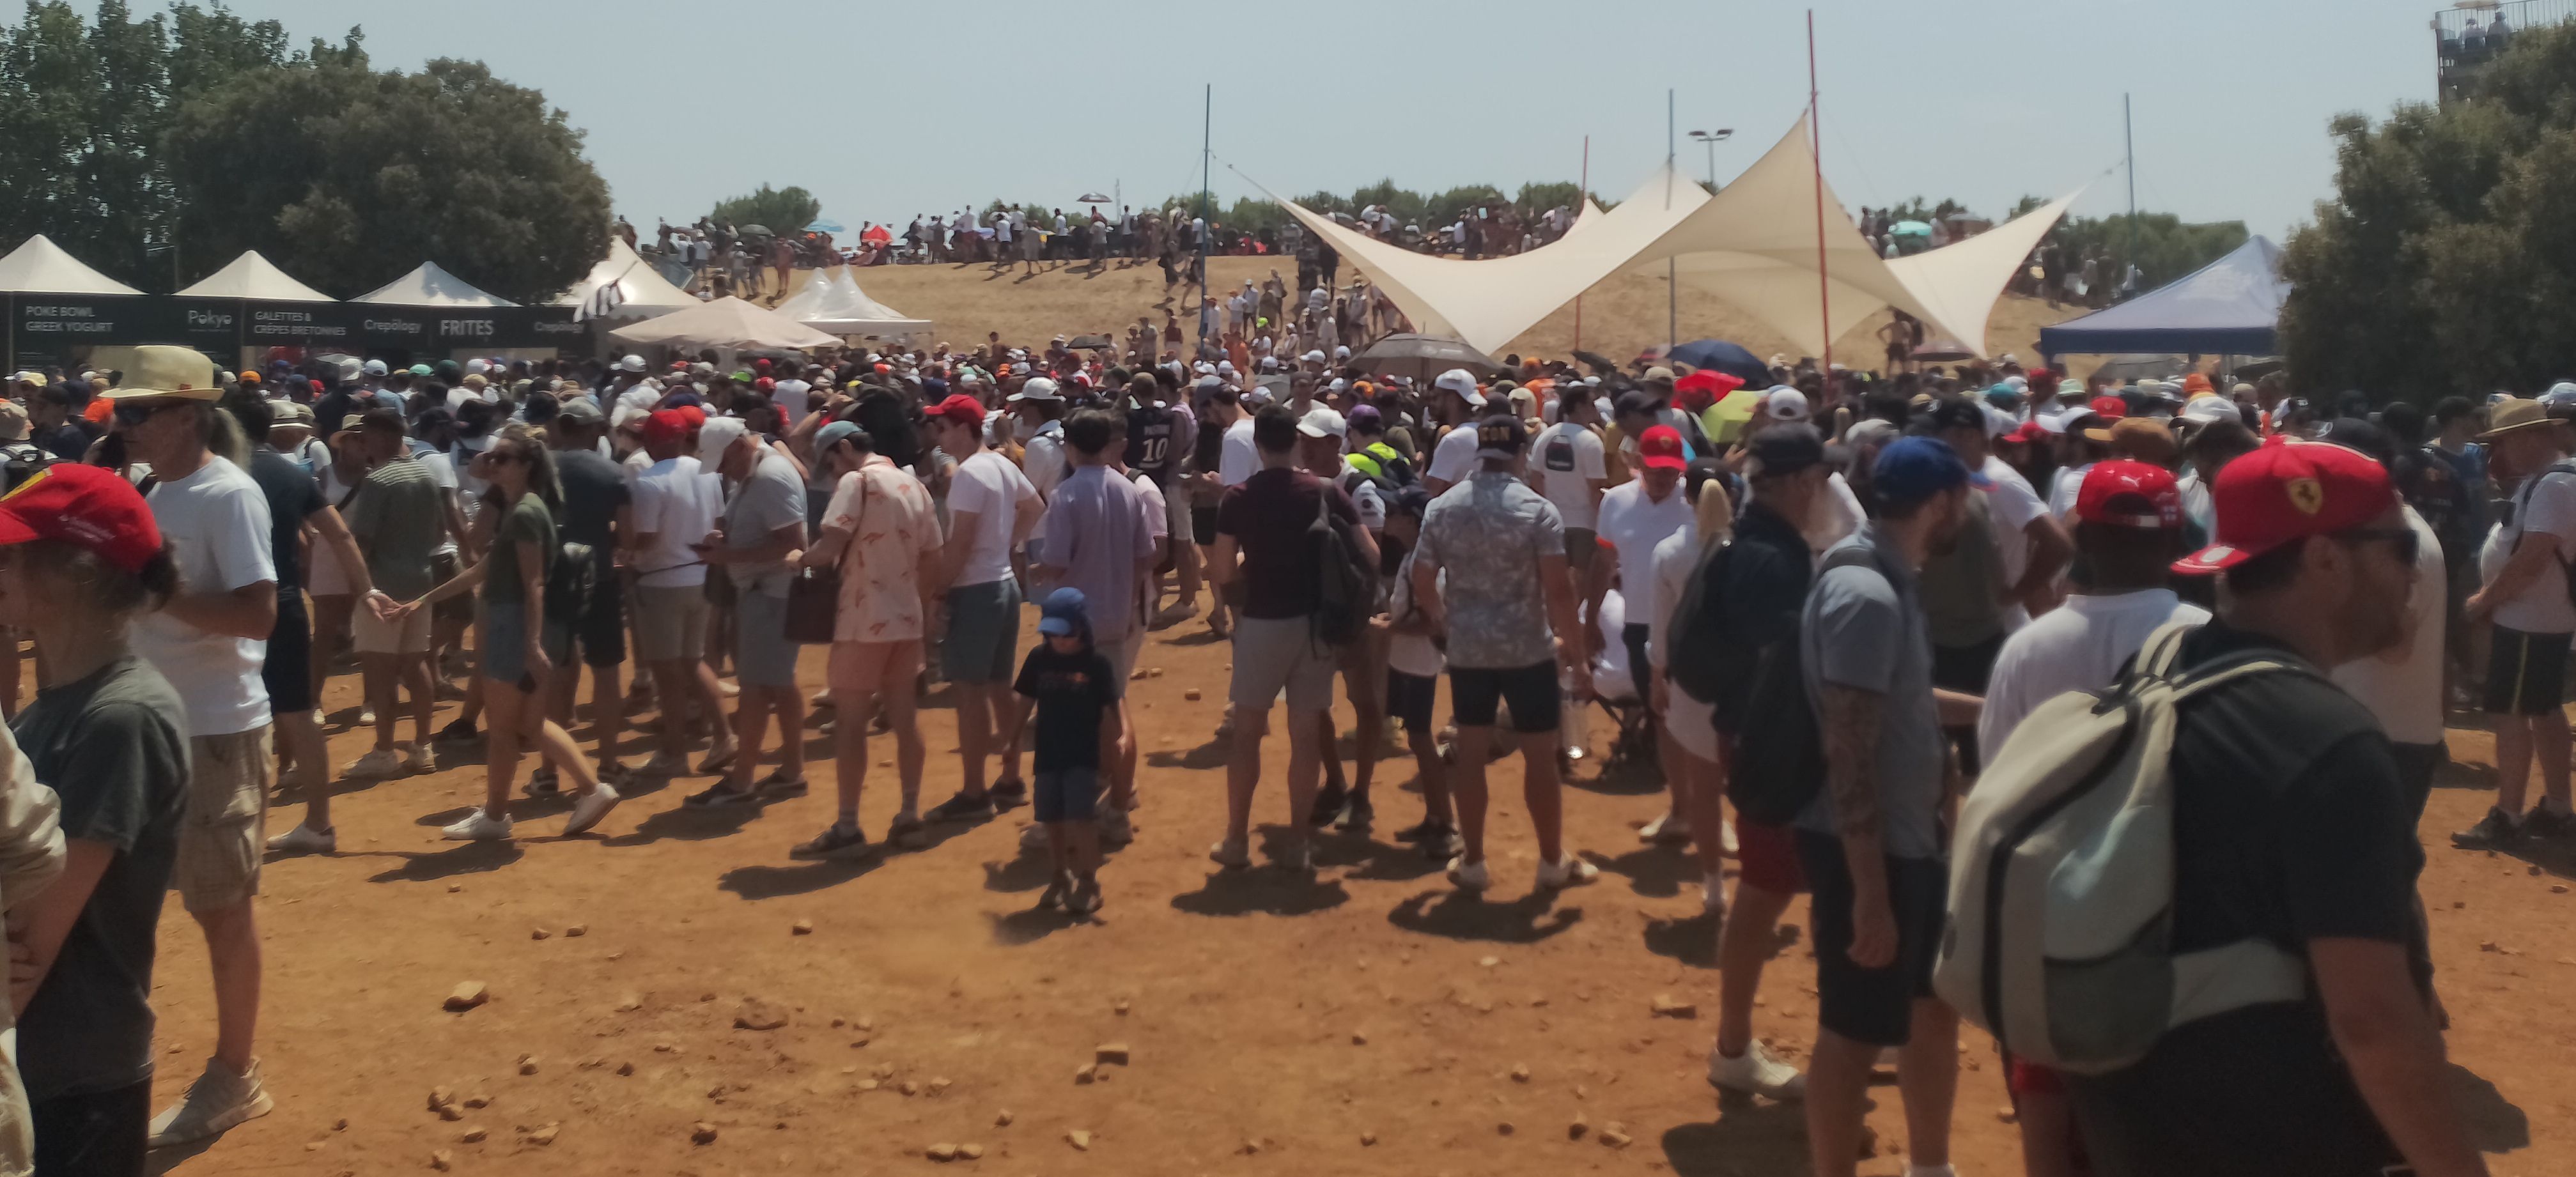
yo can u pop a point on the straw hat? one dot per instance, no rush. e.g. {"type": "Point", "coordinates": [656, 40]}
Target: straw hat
{"type": "Point", "coordinates": [160, 370]}
{"type": "Point", "coordinates": [2514, 413]}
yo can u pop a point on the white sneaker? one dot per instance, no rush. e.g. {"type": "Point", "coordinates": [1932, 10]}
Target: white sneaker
{"type": "Point", "coordinates": [1671, 827]}
{"type": "Point", "coordinates": [588, 808]}
{"type": "Point", "coordinates": [1755, 1072]}
{"type": "Point", "coordinates": [1712, 894]}
{"type": "Point", "coordinates": [420, 760]}
{"type": "Point", "coordinates": [1230, 855]}
{"type": "Point", "coordinates": [1469, 876]}
{"type": "Point", "coordinates": [1726, 838]}
{"type": "Point", "coordinates": [382, 762]}
{"type": "Point", "coordinates": [479, 826]}
{"type": "Point", "coordinates": [366, 717]}
{"type": "Point", "coordinates": [304, 839]}
{"type": "Point", "coordinates": [1568, 871]}
{"type": "Point", "coordinates": [1115, 827]}
{"type": "Point", "coordinates": [1033, 837]}
{"type": "Point", "coordinates": [217, 1101]}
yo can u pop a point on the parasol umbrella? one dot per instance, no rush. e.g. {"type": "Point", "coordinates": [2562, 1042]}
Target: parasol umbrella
{"type": "Point", "coordinates": [1942, 347]}
{"type": "Point", "coordinates": [1094, 198]}
{"type": "Point", "coordinates": [754, 231]}
{"type": "Point", "coordinates": [877, 233]}
{"type": "Point", "coordinates": [1909, 229]}
{"type": "Point", "coordinates": [827, 227]}
{"type": "Point", "coordinates": [726, 322]}
{"type": "Point", "coordinates": [1090, 342]}
{"type": "Point", "coordinates": [1421, 357]}
{"type": "Point", "coordinates": [1719, 355]}
{"type": "Point", "coordinates": [1702, 388]}
{"type": "Point", "coordinates": [1601, 365]}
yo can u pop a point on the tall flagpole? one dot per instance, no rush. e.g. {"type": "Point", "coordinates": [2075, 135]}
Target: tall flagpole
{"type": "Point", "coordinates": [1672, 280]}
{"type": "Point", "coordinates": [1207, 127]}
{"type": "Point", "coordinates": [1816, 151]}
{"type": "Point", "coordinates": [1582, 192]}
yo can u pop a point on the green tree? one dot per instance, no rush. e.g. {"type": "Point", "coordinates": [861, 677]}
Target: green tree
{"type": "Point", "coordinates": [2446, 260]}
{"type": "Point", "coordinates": [1536, 199]}
{"type": "Point", "coordinates": [780, 210]}
{"type": "Point", "coordinates": [347, 177]}
{"type": "Point", "coordinates": [2166, 246]}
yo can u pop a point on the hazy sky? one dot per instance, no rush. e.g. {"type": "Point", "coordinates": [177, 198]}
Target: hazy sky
{"type": "Point", "coordinates": [887, 111]}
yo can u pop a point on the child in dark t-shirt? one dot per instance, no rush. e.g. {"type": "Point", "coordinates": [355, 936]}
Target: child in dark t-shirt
{"type": "Point", "coordinates": [1074, 692]}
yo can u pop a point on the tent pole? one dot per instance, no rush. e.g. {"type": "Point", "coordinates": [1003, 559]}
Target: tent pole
{"type": "Point", "coordinates": [1816, 153]}
{"type": "Point", "coordinates": [2129, 135]}
{"type": "Point", "coordinates": [1672, 278]}
{"type": "Point", "coordinates": [1207, 126]}
{"type": "Point", "coordinates": [1582, 192]}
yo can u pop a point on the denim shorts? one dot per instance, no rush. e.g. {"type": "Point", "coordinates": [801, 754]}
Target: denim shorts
{"type": "Point", "coordinates": [1064, 794]}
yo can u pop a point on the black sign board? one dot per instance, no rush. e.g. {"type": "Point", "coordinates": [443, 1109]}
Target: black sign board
{"type": "Point", "coordinates": [43, 328]}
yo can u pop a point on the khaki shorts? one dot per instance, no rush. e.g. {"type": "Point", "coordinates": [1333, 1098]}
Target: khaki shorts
{"type": "Point", "coordinates": [220, 835]}
{"type": "Point", "coordinates": [367, 635]}
{"type": "Point", "coordinates": [670, 623]}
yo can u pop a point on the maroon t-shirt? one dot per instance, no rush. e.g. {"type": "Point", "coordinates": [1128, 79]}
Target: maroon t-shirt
{"type": "Point", "coordinates": [1268, 515]}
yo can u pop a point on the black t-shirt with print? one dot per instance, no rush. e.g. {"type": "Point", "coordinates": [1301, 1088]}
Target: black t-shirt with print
{"type": "Point", "coordinates": [2289, 826]}
{"type": "Point", "coordinates": [293, 497]}
{"type": "Point", "coordinates": [1072, 691]}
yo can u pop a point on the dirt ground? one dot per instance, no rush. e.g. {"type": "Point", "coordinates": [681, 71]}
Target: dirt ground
{"type": "Point", "coordinates": [1622, 316]}
{"type": "Point", "coordinates": [1369, 1022]}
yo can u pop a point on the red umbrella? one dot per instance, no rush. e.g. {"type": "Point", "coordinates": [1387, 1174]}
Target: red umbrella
{"type": "Point", "coordinates": [1701, 389]}
{"type": "Point", "coordinates": [877, 234]}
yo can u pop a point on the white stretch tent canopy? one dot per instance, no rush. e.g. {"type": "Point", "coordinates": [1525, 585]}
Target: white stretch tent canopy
{"type": "Point", "coordinates": [42, 267]}
{"type": "Point", "coordinates": [726, 322]}
{"type": "Point", "coordinates": [253, 276]}
{"type": "Point", "coordinates": [429, 286]}
{"type": "Point", "coordinates": [834, 304]}
{"type": "Point", "coordinates": [1486, 303]}
{"type": "Point", "coordinates": [645, 290]}
{"type": "Point", "coordinates": [1755, 245]}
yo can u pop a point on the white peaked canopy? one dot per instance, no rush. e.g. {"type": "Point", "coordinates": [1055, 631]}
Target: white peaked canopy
{"type": "Point", "coordinates": [834, 304]}
{"type": "Point", "coordinates": [807, 303]}
{"type": "Point", "coordinates": [1755, 245]}
{"type": "Point", "coordinates": [429, 286]}
{"type": "Point", "coordinates": [1590, 214]}
{"type": "Point", "coordinates": [253, 276]}
{"type": "Point", "coordinates": [1486, 303]}
{"type": "Point", "coordinates": [726, 322]}
{"type": "Point", "coordinates": [646, 291]}
{"type": "Point", "coordinates": [42, 267]}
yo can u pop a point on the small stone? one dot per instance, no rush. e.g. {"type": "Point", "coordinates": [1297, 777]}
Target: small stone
{"type": "Point", "coordinates": [1079, 1139]}
{"type": "Point", "coordinates": [625, 1068]}
{"type": "Point", "coordinates": [630, 1003]}
{"type": "Point", "coordinates": [755, 1014]}
{"type": "Point", "coordinates": [2558, 888]}
{"type": "Point", "coordinates": [472, 1136]}
{"type": "Point", "coordinates": [1002, 1119]}
{"type": "Point", "coordinates": [2488, 946]}
{"type": "Point", "coordinates": [478, 1100]}
{"type": "Point", "coordinates": [539, 934]}
{"type": "Point", "coordinates": [2457, 904]}
{"type": "Point", "coordinates": [1367, 1139]}
{"type": "Point", "coordinates": [942, 1152]}
{"type": "Point", "coordinates": [467, 995]}
{"type": "Point", "coordinates": [1110, 1052]}
{"type": "Point", "coordinates": [869, 1084]}
{"type": "Point", "coordinates": [340, 1125]}
{"type": "Point", "coordinates": [440, 1159]}
{"type": "Point", "coordinates": [1086, 1073]}
{"type": "Point", "coordinates": [1121, 1007]}
{"type": "Point", "coordinates": [1153, 672]}
{"type": "Point", "coordinates": [970, 1152]}
{"type": "Point", "coordinates": [542, 1136]}
{"type": "Point", "coordinates": [1666, 1007]}
{"type": "Point", "coordinates": [451, 1113]}
{"type": "Point", "coordinates": [527, 1064]}
{"type": "Point", "coordinates": [2006, 1114]}
{"type": "Point", "coordinates": [1520, 1073]}
{"type": "Point", "coordinates": [937, 1085]}
{"type": "Point", "coordinates": [1136, 675]}
{"type": "Point", "coordinates": [908, 1087]}
{"type": "Point", "coordinates": [2533, 871]}
{"type": "Point", "coordinates": [440, 1097]}
{"type": "Point", "coordinates": [1358, 1038]}
{"type": "Point", "coordinates": [1191, 695]}
{"type": "Point", "coordinates": [1504, 1128]}
{"type": "Point", "coordinates": [576, 930]}
{"type": "Point", "coordinates": [702, 1133]}
{"type": "Point", "coordinates": [1250, 1148]}
{"type": "Point", "coordinates": [1576, 1129]}
{"type": "Point", "coordinates": [1613, 1138]}
{"type": "Point", "coordinates": [453, 888]}
{"type": "Point", "coordinates": [801, 928]}
{"type": "Point", "coordinates": [313, 1146]}
{"type": "Point", "coordinates": [1488, 962]}
{"type": "Point", "coordinates": [1868, 1142]}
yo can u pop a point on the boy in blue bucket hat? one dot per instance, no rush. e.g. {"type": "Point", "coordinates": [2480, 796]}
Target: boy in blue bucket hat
{"type": "Point", "coordinates": [1074, 691]}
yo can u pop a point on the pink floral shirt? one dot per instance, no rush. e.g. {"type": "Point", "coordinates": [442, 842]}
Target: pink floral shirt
{"type": "Point", "coordinates": [888, 517]}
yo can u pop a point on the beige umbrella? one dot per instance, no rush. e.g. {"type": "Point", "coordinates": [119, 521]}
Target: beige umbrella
{"type": "Point", "coordinates": [726, 322]}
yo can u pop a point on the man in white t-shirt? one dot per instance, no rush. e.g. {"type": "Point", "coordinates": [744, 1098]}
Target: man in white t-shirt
{"type": "Point", "coordinates": [991, 508]}
{"type": "Point", "coordinates": [794, 396]}
{"type": "Point", "coordinates": [676, 503]}
{"type": "Point", "coordinates": [1456, 402]}
{"type": "Point", "coordinates": [2032, 545]}
{"type": "Point", "coordinates": [2525, 576]}
{"type": "Point", "coordinates": [2402, 686]}
{"type": "Point", "coordinates": [1572, 469]}
{"type": "Point", "coordinates": [210, 641]}
{"type": "Point", "coordinates": [1635, 516]}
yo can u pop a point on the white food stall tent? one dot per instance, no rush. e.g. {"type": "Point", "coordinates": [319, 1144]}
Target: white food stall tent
{"type": "Point", "coordinates": [725, 323]}
{"type": "Point", "coordinates": [254, 278]}
{"type": "Point", "coordinates": [428, 285]}
{"type": "Point", "coordinates": [42, 267]}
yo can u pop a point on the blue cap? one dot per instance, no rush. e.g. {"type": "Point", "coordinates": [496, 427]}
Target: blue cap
{"type": "Point", "coordinates": [2003, 395]}
{"type": "Point", "coordinates": [831, 435]}
{"type": "Point", "coordinates": [1064, 612]}
{"type": "Point", "coordinates": [1912, 469]}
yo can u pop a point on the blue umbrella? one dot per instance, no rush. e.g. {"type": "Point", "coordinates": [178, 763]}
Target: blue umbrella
{"type": "Point", "coordinates": [1909, 229]}
{"type": "Point", "coordinates": [827, 227]}
{"type": "Point", "coordinates": [1717, 355]}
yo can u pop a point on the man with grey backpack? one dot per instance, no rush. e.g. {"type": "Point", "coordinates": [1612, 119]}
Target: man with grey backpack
{"type": "Point", "coordinates": [2194, 893]}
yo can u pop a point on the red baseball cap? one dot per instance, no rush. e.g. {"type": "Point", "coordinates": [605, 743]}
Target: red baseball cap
{"type": "Point", "coordinates": [762, 365]}
{"type": "Point", "coordinates": [1660, 448]}
{"type": "Point", "coordinates": [964, 409]}
{"type": "Point", "coordinates": [2289, 490]}
{"type": "Point", "coordinates": [664, 426]}
{"type": "Point", "coordinates": [90, 506]}
{"type": "Point", "coordinates": [2129, 494]}
{"type": "Point", "coordinates": [765, 384]}
{"type": "Point", "coordinates": [2109, 408]}
{"type": "Point", "coordinates": [692, 415]}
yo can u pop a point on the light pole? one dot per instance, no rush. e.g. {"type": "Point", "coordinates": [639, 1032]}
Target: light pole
{"type": "Point", "coordinates": [1712, 139]}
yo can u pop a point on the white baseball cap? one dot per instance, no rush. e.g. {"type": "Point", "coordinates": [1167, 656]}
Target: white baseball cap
{"type": "Point", "coordinates": [2206, 409]}
{"type": "Point", "coordinates": [1312, 357]}
{"type": "Point", "coordinates": [1323, 422]}
{"type": "Point", "coordinates": [714, 436]}
{"type": "Point", "coordinates": [631, 364]}
{"type": "Point", "coordinates": [1462, 382]}
{"type": "Point", "coordinates": [376, 368]}
{"type": "Point", "coordinates": [477, 367]}
{"type": "Point", "coordinates": [1039, 388]}
{"type": "Point", "coordinates": [1785, 404]}
{"type": "Point", "coordinates": [1342, 353]}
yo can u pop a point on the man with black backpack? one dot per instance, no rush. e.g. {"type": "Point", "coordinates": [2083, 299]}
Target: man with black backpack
{"type": "Point", "coordinates": [2527, 597]}
{"type": "Point", "coordinates": [1267, 541]}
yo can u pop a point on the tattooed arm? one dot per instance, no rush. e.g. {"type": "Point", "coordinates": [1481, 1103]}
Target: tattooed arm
{"type": "Point", "coordinates": [1851, 722]}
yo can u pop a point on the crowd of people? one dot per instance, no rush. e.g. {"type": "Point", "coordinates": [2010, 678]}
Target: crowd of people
{"type": "Point", "coordinates": [1825, 610]}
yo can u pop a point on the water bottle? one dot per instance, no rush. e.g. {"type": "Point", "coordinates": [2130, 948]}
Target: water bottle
{"type": "Point", "coordinates": [1570, 719]}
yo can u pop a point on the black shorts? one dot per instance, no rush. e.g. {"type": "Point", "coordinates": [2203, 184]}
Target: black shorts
{"type": "Point", "coordinates": [288, 672]}
{"type": "Point", "coordinates": [443, 567]}
{"type": "Point", "coordinates": [600, 631]}
{"type": "Point", "coordinates": [99, 1133]}
{"type": "Point", "coordinates": [1408, 697]}
{"type": "Point", "coordinates": [1531, 691]}
{"type": "Point", "coordinates": [1874, 1007]}
{"type": "Point", "coordinates": [1634, 635]}
{"type": "Point", "coordinates": [2526, 673]}
{"type": "Point", "coordinates": [1203, 525]}
{"type": "Point", "coordinates": [1966, 669]}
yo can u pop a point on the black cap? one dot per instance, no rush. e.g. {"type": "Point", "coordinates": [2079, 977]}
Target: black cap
{"type": "Point", "coordinates": [1501, 436]}
{"type": "Point", "coordinates": [1785, 449]}
{"type": "Point", "coordinates": [1959, 414]}
{"type": "Point", "coordinates": [2360, 436]}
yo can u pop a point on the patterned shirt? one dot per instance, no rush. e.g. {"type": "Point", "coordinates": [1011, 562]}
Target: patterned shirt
{"type": "Point", "coordinates": [888, 518]}
{"type": "Point", "coordinates": [1488, 534]}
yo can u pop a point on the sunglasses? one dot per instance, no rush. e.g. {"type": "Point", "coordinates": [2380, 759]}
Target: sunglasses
{"type": "Point", "coordinates": [128, 413]}
{"type": "Point", "coordinates": [2402, 539]}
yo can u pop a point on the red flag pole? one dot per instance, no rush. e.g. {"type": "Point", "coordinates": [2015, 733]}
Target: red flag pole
{"type": "Point", "coordinates": [1582, 192]}
{"type": "Point", "coordinates": [1816, 146]}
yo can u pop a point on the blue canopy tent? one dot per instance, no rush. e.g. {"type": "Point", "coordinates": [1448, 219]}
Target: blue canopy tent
{"type": "Point", "coordinates": [2228, 307]}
